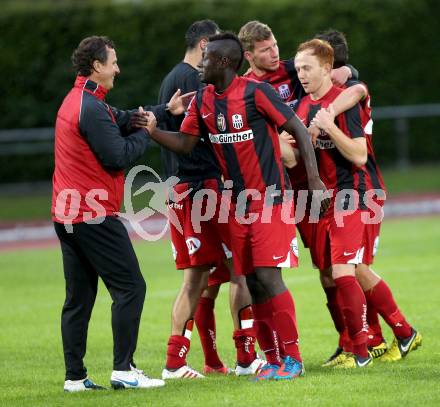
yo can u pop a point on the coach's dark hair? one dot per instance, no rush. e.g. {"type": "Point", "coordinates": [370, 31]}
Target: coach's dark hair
{"type": "Point", "coordinates": [235, 52]}
{"type": "Point", "coordinates": [90, 49]}
{"type": "Point", "coordinates": [339, 44]}
{"type": "Point", "coordinates": [198, 30]}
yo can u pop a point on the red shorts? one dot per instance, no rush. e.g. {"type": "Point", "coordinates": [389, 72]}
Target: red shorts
{"type": "Point", "coordinates": [371, 234]}
{"type": "Point", "coordinates": [302, 209]}
{"type": "Point", "coordinates": [370, 242]}
{"type": "Point", "coordinates": [219, 274]}
{"type": "Point", "coordinates": [306, 230]}
{"type": "Point", "coordinates": [259, 244]}
{"type": "Point", "coordinates": [193, 247]}
{"type": "Point", "coordinates": [333, 244]}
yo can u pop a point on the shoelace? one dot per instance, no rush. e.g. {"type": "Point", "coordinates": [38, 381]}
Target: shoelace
{"type": "Point", "coordinates": [292, 365]}
{"type": "Point", "coordinates": [138, 371]}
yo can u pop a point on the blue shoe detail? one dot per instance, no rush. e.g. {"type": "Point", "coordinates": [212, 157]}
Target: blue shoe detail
{"type": "Point", "coordinates": [134, 383]}
{"type": "Point", "coordinates": [88, 384]}
{"type": "Point", "coordinates": [289, 370]}
{"type": "Point", "coordinates": [267, 372]}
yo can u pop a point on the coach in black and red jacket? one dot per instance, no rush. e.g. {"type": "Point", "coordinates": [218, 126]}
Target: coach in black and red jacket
{"type": "Point", "coordinates": [94, 143]}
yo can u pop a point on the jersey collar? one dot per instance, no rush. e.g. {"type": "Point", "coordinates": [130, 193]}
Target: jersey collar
{"type": "Point", "coordinates": [90, 87]}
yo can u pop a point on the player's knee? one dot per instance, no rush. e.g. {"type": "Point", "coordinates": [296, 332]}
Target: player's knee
{"type": "Point", "coordinates": [211, 292]}
{"type": "Point", "coordinates": [252, 283]}
{"type": "Point", "coordinates": [194, 288]}
{"type": "Point", "coordinates": [272, 281]}
{"type": "Point", "coordinates": [256, 290]}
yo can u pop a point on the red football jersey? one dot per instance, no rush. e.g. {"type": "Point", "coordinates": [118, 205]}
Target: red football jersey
{"type": "Point", "coordinates": [241, 124]}
{"type": "Point", "coordinates": [335, 171]}
{"type": "Point", "coordinates": [374, 179]}
{"type": "Point", "coordinates": [284, 80]}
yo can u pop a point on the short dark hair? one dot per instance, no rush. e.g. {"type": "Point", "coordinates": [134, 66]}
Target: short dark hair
{"type": "Point", "coordinates": [233, 51]}
{"type": "Point", "coordinates": [339, 44]}
{"type": "Point", "coordinates": [198, 30]}
{"type": "Point", "coordinates": [90, 49]}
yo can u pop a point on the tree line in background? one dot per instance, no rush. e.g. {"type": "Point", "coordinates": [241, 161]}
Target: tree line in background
{"type": "Point", "coordinates": [393, 44]}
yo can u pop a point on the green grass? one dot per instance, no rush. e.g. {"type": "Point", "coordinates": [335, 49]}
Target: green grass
{"type": "Point", "coordinates": [37, 206]}
{"type": "Point", "coordinates": [31, 361]}
{"type": "Point", "coordinates": [418, 179]}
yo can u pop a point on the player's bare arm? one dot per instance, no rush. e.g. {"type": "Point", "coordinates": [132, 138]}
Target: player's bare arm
{"type": "Point", "coordinates": [287, 150]}
{"type": "Point", "coordinates": [354, 150]}
{"type": "Point", "coordinates": [177, 105]}
{"type": "Point", "coordinates": [349, 97]}
{"type": "Point", "coordinates": [180, 143]}
{"type": "Point", "coordinates": [345, 101]}
{"type": "Point", "coordinates": [340, 75]}
{"type": "Point", "coordinates": [295, 127]}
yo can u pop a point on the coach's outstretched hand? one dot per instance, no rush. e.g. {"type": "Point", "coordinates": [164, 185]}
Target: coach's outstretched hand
{"type": "Point", "coordinates": [179, 103]}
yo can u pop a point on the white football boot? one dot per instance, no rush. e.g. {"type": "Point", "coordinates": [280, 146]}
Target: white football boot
{"type": "Point", "coordinates": [184, 372]}
{"type": "Point", "coordinates": [253, 368]}
{"type": "Point", "coordinates": [133, 379]}
{"type": "Point", "coordinates": [81, 385]}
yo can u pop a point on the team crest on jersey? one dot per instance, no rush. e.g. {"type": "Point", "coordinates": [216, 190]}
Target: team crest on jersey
{"type": "Point", "coordinates": [221, 122]}
{"type": "Point", "coordinates": [284, 91]}
{"type": "Point", "coordinates": [237, 121]}
{"type": "Point", "coordinates": [193, 245]}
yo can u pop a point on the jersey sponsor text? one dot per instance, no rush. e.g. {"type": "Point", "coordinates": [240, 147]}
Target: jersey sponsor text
{"type": "Point", "coordinates": [228, 138]}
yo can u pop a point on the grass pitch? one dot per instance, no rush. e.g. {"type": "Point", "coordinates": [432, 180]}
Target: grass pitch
{"type": "Point", "coordinates": [32, 369]}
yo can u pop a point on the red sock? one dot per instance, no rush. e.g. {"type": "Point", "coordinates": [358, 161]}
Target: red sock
{"type": "Point", "coordinates": [205, 322]}
{"type": "Point", "coordinates": [244, 337]}
{"type": "Point", "coordinates": [375, 336]}
{"type": "Point", "coordinates": [178, 347]}
{"type": "Point", "coordinates": [382, 299]}
{"type": "Point", "coordinates": [285, 322]}
{"type": "Point", "coordinates": [245, 345]}
{"type": "Point", "coordinates": [354, 308]}
{"type": "Point", "coordinates": [265, 332]}
{"type": "Point", "coordinates": [335, 312]}
{"type": "Point", "coordinates": [345, 342]}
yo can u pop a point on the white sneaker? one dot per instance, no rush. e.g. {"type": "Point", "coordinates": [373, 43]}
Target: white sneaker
{"type": "Point", "coordinates": [133, 379]}
{"type": "Point", "coordinates": [184, 372]}
{"type": "Point", "coordinates": [81, 385]}
{"type": "Point", "coordinates": [253, 368]}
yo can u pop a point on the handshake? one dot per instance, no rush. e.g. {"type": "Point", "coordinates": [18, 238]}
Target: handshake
{"type": "Point", "coordinates": [145, 119]}
{"type": "Point", "coordinates": [177, 105]}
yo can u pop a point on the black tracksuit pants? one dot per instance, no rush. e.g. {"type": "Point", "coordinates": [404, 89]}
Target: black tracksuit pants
{"type": "Point", "coordinates": [91, 251]}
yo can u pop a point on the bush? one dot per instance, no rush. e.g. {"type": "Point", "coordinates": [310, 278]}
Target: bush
{"type": "Point", "coordinates": [393, 43]}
